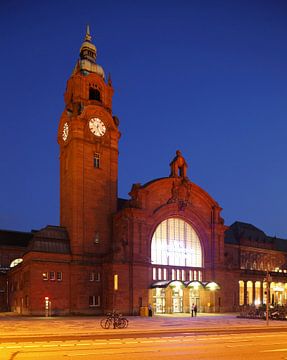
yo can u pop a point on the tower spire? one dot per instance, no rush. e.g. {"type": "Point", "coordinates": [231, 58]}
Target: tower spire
{"type": "Point", "coordinates": [88, 56]}
{"type": "Point", "coordinates": [88, 34]}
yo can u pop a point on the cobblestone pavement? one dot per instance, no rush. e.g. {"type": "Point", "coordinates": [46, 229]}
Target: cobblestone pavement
{"type": "Point", "coordinates": [16, 326]}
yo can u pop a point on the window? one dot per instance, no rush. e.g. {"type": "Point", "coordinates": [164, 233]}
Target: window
{"type": "Point", "coordinates": [159, 273]}
{"type": "Point", "coordinates": [52, 275]}
{"type": "Point", "coordinates": [98, 276]}
{"type": "Point", "coordinates": [96, 160]}
{"type": "Point", "coordinates": [176, 243]}
{"type": "Point", "coordinates": [182, 275]}
{"type": "Point", "coordinates": [92, 276]}
{"type": "Point", "coordinates": [164, 274]}
{"type": "Point", "coordinates": [172, 274]}
{"type": "Point", "coordinates": [94, 301]}
{"type": "Point", "coordinates": [94, 94]}
{"type": "Point", "coordinates": [45, 276]}
{"type": "Point", "coordinates": [59, 275]}
{"type": "Point", "coordinates": [154, 273]}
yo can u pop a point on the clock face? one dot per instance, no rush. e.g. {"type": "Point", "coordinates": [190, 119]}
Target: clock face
{"type": "Point", "coordinates": [97, 127]}
{"type": "Point", "coordinates": [65, 131]}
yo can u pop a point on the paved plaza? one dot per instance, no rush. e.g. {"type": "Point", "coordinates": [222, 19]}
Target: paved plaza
{"type": "Point", "coordinates": [14, 327]}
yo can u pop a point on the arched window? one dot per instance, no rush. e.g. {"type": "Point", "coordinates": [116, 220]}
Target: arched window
{"type": "Point", "coordinates": [94, 94]}
{"type": "Point", "coordinates": [175, 242]}
{"type": "Point", "coordinates": [15, 262]}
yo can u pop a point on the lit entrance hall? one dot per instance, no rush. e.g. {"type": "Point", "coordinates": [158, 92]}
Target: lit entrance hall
{"type": "Point", "coordinates": [178, 271]}
{"type": "Point", "coordinates": [179, 297]}
{"type": "Point", "coordinates": [255, 293]}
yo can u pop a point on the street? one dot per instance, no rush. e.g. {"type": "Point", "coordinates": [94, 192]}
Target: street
{"type": "Point", "coordinates": [169, 337]}
{"type": "Point", "coordinates": [254, 346]}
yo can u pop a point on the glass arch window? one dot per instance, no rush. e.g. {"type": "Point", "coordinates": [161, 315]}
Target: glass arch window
{"type": "Point", "coordinates": [175, 242]}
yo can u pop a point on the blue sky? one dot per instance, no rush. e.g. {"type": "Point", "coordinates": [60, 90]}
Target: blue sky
{"type": "Point", "coordinates": [206, 77]}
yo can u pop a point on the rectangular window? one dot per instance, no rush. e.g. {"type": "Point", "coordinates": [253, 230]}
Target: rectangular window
{"type": "Point", "coordinates": [45, 275]}
{"type": "Point", "coordinates": [182, 275]}
{"type": "Point", "coordinates": [159, 273]}
{"type": "Point", "coordinates": [96, 160]}
{"type": "Point", "coordinates": [195, 275]}
{"type": "Point", "coordinates": [164, 274]}
{"type": "Point", "coordinates": [172, 274]}
{"type": "Point", "coordinates": [92, 276]}
{"type": "Point", "coordinates": [190, 275]}
{"type": "Point", "coordinates": [52, 275]}
{"type": "Point", "coordinates": [154, 273]}
{"type": "Point", "coordinates": [59, 276]}
{"type": "Point", "coordinates": [94, 301]}
{"type": "Point", "coordinates": [178, 275]}
{"type": "Point", "coordinates": [98, 276]}
{"type": "Point", "coordinates": [199, 276]}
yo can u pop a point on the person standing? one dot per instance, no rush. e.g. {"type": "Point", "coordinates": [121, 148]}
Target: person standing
{"type": "Point", "coordinates": [195, 310]}
{"type": "Point", "coordinates": [149, 310]}
{"type": "Point", "coordinates": [192, 310]}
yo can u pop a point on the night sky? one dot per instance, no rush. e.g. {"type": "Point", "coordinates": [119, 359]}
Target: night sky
{"type": "Point", "coordinates": [206, 77]}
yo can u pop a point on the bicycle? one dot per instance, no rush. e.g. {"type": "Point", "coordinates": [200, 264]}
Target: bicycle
{"type": "Point", "coordinates": [114, 319]}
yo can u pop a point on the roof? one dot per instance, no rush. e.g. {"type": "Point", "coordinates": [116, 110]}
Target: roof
{"type": "Point", "coordinates": [52, 239]}
{"type": "Point", "coordinates": [15, 238]}
{"type": "Point", "coordinates": [240, 232]}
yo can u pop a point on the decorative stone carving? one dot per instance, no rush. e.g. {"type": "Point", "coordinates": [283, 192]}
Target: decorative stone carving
{"type": "Point", "coordinates": [181, 194]}
{"type": "Point", "coordinates": [178, 166]}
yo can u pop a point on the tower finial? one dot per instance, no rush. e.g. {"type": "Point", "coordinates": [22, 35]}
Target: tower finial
{"type": "Point", "coordinates": [88, 34]}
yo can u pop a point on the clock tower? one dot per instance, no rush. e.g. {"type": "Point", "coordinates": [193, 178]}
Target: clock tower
{"type": "Point", "coordinates": [88, 137]}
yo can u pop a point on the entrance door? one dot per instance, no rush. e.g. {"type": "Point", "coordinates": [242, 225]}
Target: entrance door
{"type": "Point", "coordinates": [177, 304]}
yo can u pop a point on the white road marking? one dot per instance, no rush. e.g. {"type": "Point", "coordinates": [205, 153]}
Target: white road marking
{"type": "Point", "coordinates": [275, 350]}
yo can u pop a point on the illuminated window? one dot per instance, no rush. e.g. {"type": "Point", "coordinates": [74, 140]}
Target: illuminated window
{"type": "Point", "coordinates": [16, 262]}
{"type": "Point", "coordinates": [257, 293]}
{"type": "Point", "coordinates": [159, 274]}
{"type": "Point", "coordinates": [94, 301]}
{"type": "Point", "coordinates": [178, 274]}
{"type": "Point", "coordinates": [96, 160]}
{"type": "Point", "coordinates": [154, 273]}
{"type": "Point", "coordinates": [190, 275]}
{"type": "Point", "coordinates": [164, 274]}
{"type": "Point", "coordinates": [172, 274]}
{"type": "Point", "coordinates": [45, 275]}
{"type": "Point", "coordinates": [182, 275]}
{"type": "Point", "coordinates": [241, 292]}
{"type": "Point", "coordinates": [249, 292]}
{"type": "Point", "coordinates": [98, 276]}
{"type": "Point", "coordinates": [175, 242]}
{"type": "Point", "coordinates": [59, 275]}
{"type": "Point", "coordinates": [52, 275]}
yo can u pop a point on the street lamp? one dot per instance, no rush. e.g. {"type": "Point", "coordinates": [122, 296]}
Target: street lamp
{"type": "Point", "coordinates": [268, 280]}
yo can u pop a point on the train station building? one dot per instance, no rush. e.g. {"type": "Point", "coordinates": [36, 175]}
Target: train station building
{"type": "Point", "coordinates": [165, 245]}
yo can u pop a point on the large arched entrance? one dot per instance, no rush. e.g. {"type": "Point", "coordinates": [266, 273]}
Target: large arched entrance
{"type": "Point", "coordinates": [177, 269]}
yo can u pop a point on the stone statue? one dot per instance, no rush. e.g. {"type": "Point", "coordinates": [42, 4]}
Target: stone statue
{"type": "Point", "coordinates": [178, 166]}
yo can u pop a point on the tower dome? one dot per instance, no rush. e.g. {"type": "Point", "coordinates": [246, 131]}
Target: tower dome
{"type": "Point", "coordinates": [88, 55]}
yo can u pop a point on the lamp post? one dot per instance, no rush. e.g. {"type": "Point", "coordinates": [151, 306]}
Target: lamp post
{"type": "Point", "coordinates": [268, 280]}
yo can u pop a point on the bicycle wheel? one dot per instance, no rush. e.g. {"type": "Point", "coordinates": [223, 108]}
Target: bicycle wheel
{"type": "Point", "coordinates": [122, 323]}
{"type": "Point", "coordinates": [106, 323]}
